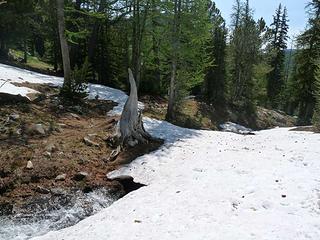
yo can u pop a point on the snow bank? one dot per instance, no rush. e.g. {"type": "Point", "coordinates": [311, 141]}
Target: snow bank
{"type": "Point", "coordinates": [18, 75]}
{"type": "Point", "coordinates": [212, 185]}
{"type": "Point", "coordinates": [8, 87]}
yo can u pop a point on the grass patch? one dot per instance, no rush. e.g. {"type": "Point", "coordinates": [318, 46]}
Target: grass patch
{"type": "Point", "coordinates": [32, 61]}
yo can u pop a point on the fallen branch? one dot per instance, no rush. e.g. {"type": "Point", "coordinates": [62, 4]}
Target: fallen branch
{"type": "Point", "coordinates": [8, 80]}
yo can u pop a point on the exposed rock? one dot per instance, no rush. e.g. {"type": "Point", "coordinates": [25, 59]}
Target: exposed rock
{"type": "Point", "coordinates": [58, 192]}
{"type": "Point", "coordinates": [235, 128]}
{"type": "Point", "coordinates": [267, 118]}
{"type": "Point", "coordinates": [51, 148]}
{"type": "Point", "coordinates": [14, 116]}
{"type": "Point", "coordinates": [42, 190]}
{"type": "Point", "coordinates": [59, 127]}
{"type": "Point", "coordinates": [89, 142]}
{"type": "Point", "coordinates": [75, 116]}
{"type": "Point", "coordinates": [29, 165]}
{"type": "Point", "coordinates": [82, 161]}
{"type": "Point", "coordinates": [61, 177]}
{"type": "Point", "coordinates": [19, 131]}
{"type": "Point", "coordinates": [36, 129]}
{"type": "Point", "coordinates": [62, 125]}
{"type": "Point", "coordinates": [92, 135]}
{"type": "Point", "coordinates": [80, 176]}
{"type": "Point", "coordinates": [47, 154]}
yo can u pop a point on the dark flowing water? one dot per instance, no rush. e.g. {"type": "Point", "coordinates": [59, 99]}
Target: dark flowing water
{"type": "Point", "coordinates": [67, 211]}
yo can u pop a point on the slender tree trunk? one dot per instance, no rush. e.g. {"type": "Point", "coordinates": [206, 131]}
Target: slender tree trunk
{"type": "Point", "coordinates": [171, 111]}
{"type": "Point", "coordinates": [135, 40]}
{"type": "Point", "coordinates": [25, 51]}
{"type": "Point", "coordinates": [137, 33]}
{"type": "Point", "coordinates": [64, 44]}
{"type": "Point", "coordinates": [155, 49]}
{"type": "Point", "coordinates": [171, 103]}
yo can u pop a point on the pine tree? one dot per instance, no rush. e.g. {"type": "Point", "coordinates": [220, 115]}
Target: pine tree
{"type": "Point", "coordinates": [245, 45]}
{"type": "Point", "coordinates": [188, 36]}
{"type": "Point", "coordinates": [316, 115]}
{"type": "Point", "coordinates": [277, 47]}
{"type": "Point", "coordinates": [215, 85]}
{"type": "Point", "coordinates": [306, 64]}
{"type": "Point", "coordinates": [15, 26]}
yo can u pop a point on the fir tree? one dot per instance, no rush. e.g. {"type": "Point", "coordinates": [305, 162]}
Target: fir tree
{"type": "Point", "coordinates": [245, 45]}
{"type": "Point", "coordinates": [306, 64]}
{"type": "Point", "coordinates": [187, 55]}
{"type": "Point", "coordinates": [316, 115]}
{"type": "Point", "coordinates": [277, 47]}
{"type": "Point", "coordinates": [215, 86]}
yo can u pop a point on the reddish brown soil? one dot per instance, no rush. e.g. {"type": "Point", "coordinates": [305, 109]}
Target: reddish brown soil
{"type": "Point", "coordinates": [67, 126]}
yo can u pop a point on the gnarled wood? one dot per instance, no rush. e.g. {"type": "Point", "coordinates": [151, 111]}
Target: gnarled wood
{"type": "Point", "coordinates": [131, 125]}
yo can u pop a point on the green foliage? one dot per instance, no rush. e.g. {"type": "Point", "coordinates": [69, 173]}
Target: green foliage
{"type": "Point", "coordinates": [79, 79]}
{"type": "Point", "coordinates": [245, 46]}
{"type": "Point", "coordinates": [278, 34]}
{"type": "Point", "coordinates": [306, 65]}
{"type": "Point", "coordinates": [260, 72]}
{"type": "Point", "coordinates": [189, 47]}
{"type": "Point", "coordinates": [316, 115]}
{"type": "Point", "coordinates": [215, 80]}
{"type": "Point", "coordinates": [153, 35]}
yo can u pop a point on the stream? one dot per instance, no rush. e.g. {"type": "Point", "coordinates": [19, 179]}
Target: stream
{"type": "Point", "coordinates": [51, 214]}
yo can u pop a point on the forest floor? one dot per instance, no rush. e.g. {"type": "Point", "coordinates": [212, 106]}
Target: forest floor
{"type": "Point", "coordinates": [47, 146]}
{"type": "Point", "coordinates": [197, 114]}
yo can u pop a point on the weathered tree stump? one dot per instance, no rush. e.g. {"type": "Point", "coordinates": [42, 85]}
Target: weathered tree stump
{"type": "Point", "coordinates": [132, 131]}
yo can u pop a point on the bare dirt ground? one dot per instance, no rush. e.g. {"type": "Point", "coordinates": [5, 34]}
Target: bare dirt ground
{"type": "Point", "coordinates": [47, 146]}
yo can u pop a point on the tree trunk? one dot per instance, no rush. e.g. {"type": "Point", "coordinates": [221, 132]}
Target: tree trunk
{"type": "Point", "coordinates": [171, 103]}
{"type": "Point", "coordinates": [137, 34]}
{"type": "Point", "coordinates": [131, 125]}
{"type": "Point", "coordinates": [171, 110]}
{"type": "Point", "coordinates": [136, 41]}
{"type": "Point", "coordinates": [64, 44]}
{"type": "Point", "coordinates": [25, 51]}
{"type": "Point", "coordinates": [155, 48]}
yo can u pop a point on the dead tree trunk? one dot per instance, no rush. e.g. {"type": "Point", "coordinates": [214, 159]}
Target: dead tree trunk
{"type": "Point", "coordinates": [131, 125]}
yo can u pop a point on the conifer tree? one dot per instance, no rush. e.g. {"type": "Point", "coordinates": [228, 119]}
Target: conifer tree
{"type": "Point", "coordinates": [215, 85]}
{"type": "Point", "coordinates": [277, 47]}
{"type": "Point", "coordinates": [188, 36]}
{"type": "Point", "coordinates": [316, 115]}
{"type": "Point", "coordinates": [245, 45]}
{"type": "Point", "coordinates": [306, 64]}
